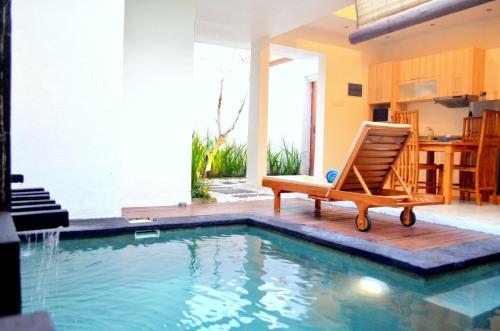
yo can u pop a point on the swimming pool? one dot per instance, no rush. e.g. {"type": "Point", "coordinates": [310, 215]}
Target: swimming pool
{"type": "Point", "coordinates": [241, 277]}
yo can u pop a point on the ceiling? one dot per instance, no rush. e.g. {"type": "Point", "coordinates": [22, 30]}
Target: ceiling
{"type": "Point", "coordinates": [345, 26]}
{"type": "Point", "coordinates": [236, 23]}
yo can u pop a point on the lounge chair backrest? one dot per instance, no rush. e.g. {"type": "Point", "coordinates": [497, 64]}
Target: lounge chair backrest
{"type": "Point", "coordinates": [375, 149]}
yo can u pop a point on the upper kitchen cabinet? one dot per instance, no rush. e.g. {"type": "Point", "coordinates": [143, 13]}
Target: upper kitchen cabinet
{"type": "Point", "coordinates": [418, 78]}
{"type": "Point", "coordinates": [419, 68]}
{"type": "Point", "coordinates": [461, 72]}
{"type": "Point", "coordinates": [380, 81]}
{"type": "Point", "coordinates": [422, 78]}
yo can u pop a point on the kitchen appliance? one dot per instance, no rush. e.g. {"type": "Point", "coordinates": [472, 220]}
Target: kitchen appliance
{"type": "Point", "coordinates": [457, 101]}
{"type": "Point", "coordinates": [381, 113]}
{"type": "Point", "coordinates": [476, 109]}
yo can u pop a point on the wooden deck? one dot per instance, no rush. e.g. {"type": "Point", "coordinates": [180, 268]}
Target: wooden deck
{"type": "Point", "coordinates": [385, 229]}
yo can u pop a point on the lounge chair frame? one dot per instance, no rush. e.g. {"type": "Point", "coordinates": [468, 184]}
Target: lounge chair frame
{"type": "Point", "coordinates": [367, 169]}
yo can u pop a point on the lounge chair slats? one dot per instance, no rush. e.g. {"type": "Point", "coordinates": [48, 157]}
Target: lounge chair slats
{"type": "Point", "coordinates": [380, 147]}
{"type": "Point", "coordinates": [366, 170]}
{"type": "Point", "coordinates": [387, 133]}
{"type": "Point", "coordinates": [371, 139]}
{"type": "Point", "coordinates": [374, 160]}
{"type": "Point", "coordinates": [377, 153]}
{"type": "Point", "coordinates": [372, 167]}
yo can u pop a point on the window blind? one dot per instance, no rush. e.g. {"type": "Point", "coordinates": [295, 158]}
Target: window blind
{"type": "Point", "coordinates": [369, 11]}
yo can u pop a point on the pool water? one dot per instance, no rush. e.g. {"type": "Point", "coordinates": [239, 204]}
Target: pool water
{"type": "Point", "coordinates": [243, 278]}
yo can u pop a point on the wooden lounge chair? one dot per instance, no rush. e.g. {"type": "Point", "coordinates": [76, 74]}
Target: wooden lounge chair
{"type": "Point", "coordinates": [366, 169]}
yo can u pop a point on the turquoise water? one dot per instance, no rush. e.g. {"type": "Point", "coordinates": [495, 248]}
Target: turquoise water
{"type": "Point", "coordinates": [243, 278]}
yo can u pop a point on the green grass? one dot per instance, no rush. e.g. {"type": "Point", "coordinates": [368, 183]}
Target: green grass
{"type": "Point", "coordinates": [290, 160]}
{"type": "Point", "coordinates": [284, 162]}
{"type": "Point", "coordinates": [273, 161]}
{"type": "Point", "coordinates": [230, 161]}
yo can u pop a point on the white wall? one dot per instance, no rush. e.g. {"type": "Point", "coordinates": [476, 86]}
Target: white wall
{"type": "Point", "coordinates": [158, 91]}
{"type": "Point", "coordinates": [101, 98]}
{"type": "Point", "coordinates": [66, 86]}
{"type": "Point", "coordinates": [450, 119]}
{"type": "Point", "coordinates": [290, 106]}
{"type": "Point", "coordinates": [211, 63]}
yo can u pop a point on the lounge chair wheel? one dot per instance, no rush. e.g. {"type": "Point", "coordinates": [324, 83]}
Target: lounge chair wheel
{"type": "Point", "coordinates": [408, 220]}
{"type": "Point", "coordinates": [368, 224]}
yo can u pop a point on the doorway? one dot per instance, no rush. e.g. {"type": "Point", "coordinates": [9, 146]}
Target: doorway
{"type": "Point", "coordinates": [312, 132]}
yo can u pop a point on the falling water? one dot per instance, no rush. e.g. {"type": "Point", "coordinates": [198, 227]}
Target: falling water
{"type": "Point", "coordinates": [46, 257]}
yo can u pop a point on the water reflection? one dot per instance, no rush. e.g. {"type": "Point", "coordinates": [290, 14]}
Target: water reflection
{"type": "Point", "coordinates": [245, 278]}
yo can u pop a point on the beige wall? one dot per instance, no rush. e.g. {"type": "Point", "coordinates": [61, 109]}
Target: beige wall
{"type": "Point", "coordinates": [346, 63]}
{"type": "Point", "coordinates": [343, 64]}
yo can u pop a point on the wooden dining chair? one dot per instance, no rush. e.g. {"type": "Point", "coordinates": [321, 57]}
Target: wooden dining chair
{"type": "Point", "coordinates": [471, 131]}
{"type": "Point", "coordinates": [484, 170]}
{"type": "Point", "coordinates": [409, 165]}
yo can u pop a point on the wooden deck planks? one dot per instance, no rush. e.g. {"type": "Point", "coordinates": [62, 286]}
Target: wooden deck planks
{"type": "Point", "coordinates": [385, 229]}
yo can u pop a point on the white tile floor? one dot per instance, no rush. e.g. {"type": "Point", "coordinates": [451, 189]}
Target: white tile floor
{"type": "Point", "coordinates": [461, 214]}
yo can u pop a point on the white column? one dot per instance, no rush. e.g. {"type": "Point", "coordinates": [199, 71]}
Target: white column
{"type": "Point", "coordinates": [319, 149]}
{"type": "Point", "coordinates": [257, 115]}
{"type": "Point", "coordinates": [157, 113]}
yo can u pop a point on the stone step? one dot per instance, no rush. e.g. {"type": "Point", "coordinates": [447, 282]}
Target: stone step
{"type": "Point", "coordinates": [17, 194]}
{"type": "Point", "coordinates": [32, 202]}
{"type": "Point", "coordinates": [28, 189]}
{"type": "Point", "coordinates": [24, 208]}
{"type": "Point", "coordinates": [41, 196]}
{"type": "Point", "coordinates": [37, 220]}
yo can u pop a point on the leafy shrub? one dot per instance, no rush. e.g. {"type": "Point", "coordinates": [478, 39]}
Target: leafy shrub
{"type": "Point", "coordinates": [199, 149]}
{"type": "Point", "coordinates": [200, 190]}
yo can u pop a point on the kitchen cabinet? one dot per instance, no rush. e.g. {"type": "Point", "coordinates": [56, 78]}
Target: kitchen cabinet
{"type": "Point", "coordinates": [418, 78]}
{"type": "Point", "coordinates": [426, 77]}
{"type": "Point", "coordinates": [380, 80]}
{"type": "Point", "coordinates": [418, 90]}
{"type": "Point", "coordinates": [419, 68]}
{"type": "Point", "coordinates": [461, 72]}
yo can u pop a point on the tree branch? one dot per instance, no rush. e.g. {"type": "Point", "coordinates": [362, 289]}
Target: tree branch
{"type": "Point", "coordinates": [219, 105]}
{"type": "Point", "coordinates": [237, 116]}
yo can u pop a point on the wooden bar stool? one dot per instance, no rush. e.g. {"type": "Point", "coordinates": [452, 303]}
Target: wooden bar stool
{"type": "Point", "coordinates": [409, 165]}
{"type": "Point", "coordinates": [470, 134]}
{"type": "Point", "coordinates": [479, 172]}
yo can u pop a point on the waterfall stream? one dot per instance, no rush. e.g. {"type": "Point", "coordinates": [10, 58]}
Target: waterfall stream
{"type": "Point", "coordinates": [43, 249]}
